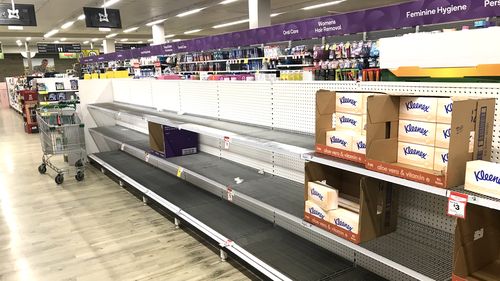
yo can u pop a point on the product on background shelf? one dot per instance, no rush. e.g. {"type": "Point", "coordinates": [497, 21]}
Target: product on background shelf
{"type": "Point", "coordinates": [349, 122]}
{"type": "Point", "coordinates": [353, 103]}
{"type": "Point", "coordinates": [440, 159]}
{"type": "Point", "coordinates": [417, 132]}
{"type": "Point", "coordinates": [345, 219]}
{"type": "Point", "coordinates": [359, 144]}
{"type": "Point", "coordinates": [443, 134]}
{"type": "Point", "coordinates": [340, 139]}
{"type": "Point", "coordinates": [314, 210]}
{"type": "Point", "coordinates": [444, 110]}
{"type": "Point", "coordinates": [385, 154]}
{"type": "Point", "coordinates": [323, 195]}
{"type": "Point", "coordinates": [416, 155]}
{"type": "Point", "coordinates": [418, 109]}
{"type": "Point", "coordinates": [168, 141]}
{"type": "Point", "coordinates": [483, 177]}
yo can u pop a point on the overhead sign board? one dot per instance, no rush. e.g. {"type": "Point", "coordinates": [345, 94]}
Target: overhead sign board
{"type": "Point", "coordinates": [100, 17]}
{"type": "Point", "coordinates": [64, 56]}
{"type": "Point", "coordinates": [89, 53]}
{"type": "Point", "coordinates": [58, 48]}
{"type": "Point", "coordinates": [18, 14]}
{"type": "Point", "coordinates": [129, 46]}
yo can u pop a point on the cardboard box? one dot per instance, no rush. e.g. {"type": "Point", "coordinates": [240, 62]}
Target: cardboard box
{"type": "Point", "coordinates": [417, 132]}
{"type": "Point", "coordinates": [378, 203]}
{"type": "Point", "coordinates": [325, 108]}
{"type": "Point", "coordinates": [476, 254]}
{"type": "Point", "coordinates": [166, 141]}
{"type": "Point", "coordinates": [359, 144]}
{"type": "Point", "coordinates": [382, 139]}
{"type": "Point", "coordinates": [444, 110]}
{"type": "Point", "coordinates": [443, 134]}
{"type": "Point", "coordinates": [326, 198]}
{"type": "Point", "coordinates": [483, 177]}
{"type": "Point", "coordinates": [418, 108]}
{"type": "Point", "coordinates": [416, 155]}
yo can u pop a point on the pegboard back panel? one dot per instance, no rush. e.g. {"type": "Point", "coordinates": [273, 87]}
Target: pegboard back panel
{"type": "Point", "coordinates": [199, 98]}
{"type": "Point", "coordinates": [240, 103]}
{"type": "Point", "coordinates": [136, 92]}
{"type": "Point", "coordinates": [166, 95]}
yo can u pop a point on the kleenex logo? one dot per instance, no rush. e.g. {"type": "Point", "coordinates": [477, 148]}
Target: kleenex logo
{"type": "Point", "coordinates": [412, 151]}
{"type": "Point", "coordinates": [361, 145]}
{"type": "Point", "coordinates": [415, 105]}
{"type": "Point", "coordinates": [481, 175]}
{"type": "Point", "coordinates": [344, 100]}
{"type": "Point", "coordinates": [444, 157]}
{"type": "Point", "coordinates": [340, 141]}
{"type": "Point", "coordinates": [447, 133]}
{"type": "Point", "coordinates": [316, 193]}
{"type": "Point", "coordinates": [317, 213]}
{"type": "Point", "coordinates": [410, 128]}
{"type": "Point", "coordinates": [351, 121]}
{"type": "Point", "coordinates": [343, 224]}
{"type": "Point", "coordinates": [448, 108]}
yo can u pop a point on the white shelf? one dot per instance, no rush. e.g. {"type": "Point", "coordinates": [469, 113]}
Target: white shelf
{"type": "Point", "coordinates": [474, 198]}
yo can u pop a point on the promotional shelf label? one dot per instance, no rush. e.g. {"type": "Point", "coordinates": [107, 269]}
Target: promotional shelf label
{"type": "Point", "coordinates": [457, 203]}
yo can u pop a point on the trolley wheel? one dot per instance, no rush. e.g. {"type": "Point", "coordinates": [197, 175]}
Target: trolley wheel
{"type": "Point", "coordinates": [79, 176]}
{"type": "Point", "coordinates": [79, 163]}
{"type": "Point", "coordinates": [42, 169]}
{"type": "Point", "coordinates": [59, 179]}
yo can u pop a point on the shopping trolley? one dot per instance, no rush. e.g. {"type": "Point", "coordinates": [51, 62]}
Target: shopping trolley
{"type": "Point", "coordinates": [62, 134]}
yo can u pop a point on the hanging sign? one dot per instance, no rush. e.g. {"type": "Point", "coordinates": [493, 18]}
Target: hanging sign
{"type": "Point", "coordinates": [17, 14]}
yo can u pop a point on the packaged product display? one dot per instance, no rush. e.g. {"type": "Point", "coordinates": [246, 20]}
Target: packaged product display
{"type": "Point", "coordinates": [440, 159]}
{"type": "Point", "coordinates": [386, 152]}
{"type": "Point", "coordinates": [444, 110]}
{"type": "Point", "coordinates": [483, 177]}
{"type": "Point", "coordinates": [340, 139]}
{"type": "Point", "coordinates": [476, 254]}
{"type": "Point", "coordinates": [168, 142]}
{"type": "Point", "coordinates": [417, 132]}
{"type": "Point", "coordinates": [352, 103]}
{"type": "Point", "coordinates": [349, 122]}
{"type": "Point", "coordinates": [366, 208]}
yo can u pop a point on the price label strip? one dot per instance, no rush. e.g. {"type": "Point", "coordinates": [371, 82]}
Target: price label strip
{"type": "Point", "coordinates": [457, 203]}
{"type": "Point", "coordinates": [230, 194]}
{"type": "Point", "coordinates": [180, 170]}
{"type": "Point", "coordinates": [227, 142]}
{"type": "Point", "coordinates": [146, 157]}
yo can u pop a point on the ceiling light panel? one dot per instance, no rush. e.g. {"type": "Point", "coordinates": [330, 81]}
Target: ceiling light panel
{"type": "Point", "coordinates": [111, 35]}
{"type": "Point", "coordinates": [15, 27]}
{"type": "Point", "coordinates": [155, 22]}
{"type": "Point", "coordinates": [192, 31]}
{"type": "Point", "coordinates": [94, 39]}
{"type": "Point", "coordinates": [323, 5]}
{"type": "Point", "coordinates": [51, 33]}
{"type": "Point", "coordinates": [169, 36]}
{"type": "Point", "coordinates": [104, 29]}
{"type": "Point", "coordinates": [190, 12]}
{"type": "Point", "coordinates": [81, 17]}
{"type": "Point", "coordinates": [109, 3]}
{"type": "Point", "coordinates": [67, 25]}
{"type": "Point", "coordinates": [227, 2]}
{"type": "Point", "coordinates": [131, 29]}
{"type": "Point", "coordinates": [231, 23]}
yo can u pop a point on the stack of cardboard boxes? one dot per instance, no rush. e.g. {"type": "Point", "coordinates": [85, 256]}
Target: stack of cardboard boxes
{"type": "Point", "coordinates": [424, 132]}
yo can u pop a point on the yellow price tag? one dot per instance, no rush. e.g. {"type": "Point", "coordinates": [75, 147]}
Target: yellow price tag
{"type": "Point", "coordinates": [245, 61]}
{"type": "Point", "coordinates": [179, 172]}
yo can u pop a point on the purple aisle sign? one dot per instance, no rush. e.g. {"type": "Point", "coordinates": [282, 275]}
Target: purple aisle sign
{"type": "Point", "coordinates": [410, 14]}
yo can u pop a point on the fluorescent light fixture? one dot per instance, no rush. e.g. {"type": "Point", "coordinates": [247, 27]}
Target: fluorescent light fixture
{"type": "Point", "coordinates": [155, 22]}
{"type": "Point", "coordinates": [192, 31]}
{"type": "Point", "coordinates": [94, 39]}
{"type": "Point", "coordinates": [104, 29]}
{"type": "Point", "coordinates": [140, 42]}
{"type": "Point", "coordinates": [50, 33]}
{"type": "Point", "coordinates": [15, 27]}
{"type": "Point", "coordinates": [63, 39]}
{"type": "Point", "coordinates": [124, 40]}
{"type": "Point", "coordinates": [323, 5]}
{"type": "Point", "coordinates": [231, 23]}
{"type": "Point", "coordinates": [190, 12]}
{"type": "Point", "coordinates": [67, 25]}
{"type": "Point", "coordinates": [109, 3]}
{"type": "Point", "coordinates": [81, 17]}
{"type": "Point", "coordinates": [227, 2]}
{"type": "Point", "coordinates": [169, 36]}
{"type": "Point", "coordinates": [57, 41]}
{"type": "Point", "coordinates": [111, 35]}
{"type": "Point", "coordinates": [150, 40]}
{"type": "Point", "coordinates": [276, 14]}
{"type": "Point", "coordinates": [28, 39]}
{"type": "Point", "coordinates": [19, 43]}
{"type": "Point", "coordinates": [131, 29]}
{"type": "Point", "coordinates": [86, 42]}
{"type": "Point", "coordinates": [176, 40]}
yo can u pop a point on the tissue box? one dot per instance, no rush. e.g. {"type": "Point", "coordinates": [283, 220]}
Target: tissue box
{"type": "Point", "coordinates": [353, 103]}
{"type": "Point", "coordinates": [359, 144]}
{"type": "Point", "coordinates": [349, 122]}
{"type": "Point", "coordinates": [340, 139]}
{"type": "Point", "coordinates": [344, 219]}
{"type": "Point", "coordinates": [417, 132]}
{"type": "Point", "coordinates": [325, 197]}
{"type": "Point", "coordinates": [443, 135]}
{"type": "Point", "coordinates": [418, 108]}
{"type": "Point", "coordinates": [440, 159]}
{"type": "Point", "coordinates": [316, 211]}
{"type": "Point", "coordinates": [483, 177]}
{"type": "Point", "coordinates": [444, 110]}
{"type": "Point", "coordinates": [416, 155]}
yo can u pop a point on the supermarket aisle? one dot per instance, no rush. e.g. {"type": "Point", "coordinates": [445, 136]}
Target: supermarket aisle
{"type": "Point", "coordinates": [87, 231]}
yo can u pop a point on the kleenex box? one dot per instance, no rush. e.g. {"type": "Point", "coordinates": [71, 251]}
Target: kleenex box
{"type": "Point", "coordinates": [349, 122]}
{"type": "Point", "coordinates": [315, 210]}
{"type": "Point", "coordinates": [339, 139]}
{"type": "Point", "coordinates": [483, 177]}
{"type": "Point", "coordinates": [440, 159]}
{"type": "Point", "coordinates": [443, 134]}
{"type": "Point", "coordinates": [418, 108]}
{"type": "Point", "coordinates": [322, 195]}
{"type": "Point", "coordinates": [444, 110]}
{"type": "Point", "coordinates": [417, 132]}
{"type": "Point", "coordinates": [416, 155]}
{"type": "Point", "coordinates": [345, 219]}
{"type": "Point", "coordinates": [353, 103]}
{"type": "Point", "coordinates": [359, 144]}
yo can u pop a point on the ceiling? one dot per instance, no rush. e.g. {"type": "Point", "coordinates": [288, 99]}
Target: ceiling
{"type": "Point", "coordinates": [52, 14]}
